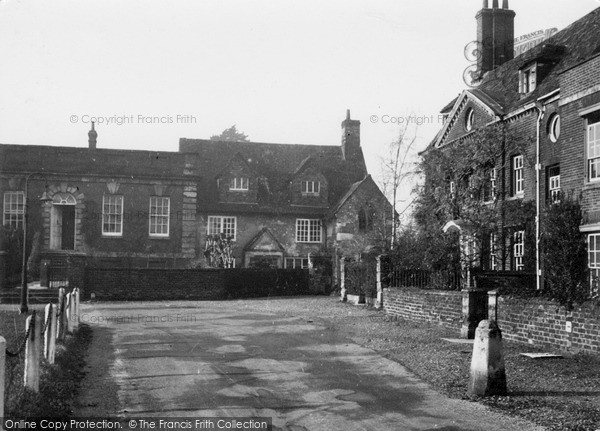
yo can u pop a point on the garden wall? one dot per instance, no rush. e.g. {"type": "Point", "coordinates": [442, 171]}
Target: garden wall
{"type": "Point", "coordinates": [147, 284]}
{"type": "Point", "coordinates": [434, 306]}
{"type": "Point", "coordinates": [544, 323]}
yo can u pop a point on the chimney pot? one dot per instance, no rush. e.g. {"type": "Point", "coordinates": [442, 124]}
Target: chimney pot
{"type": "Point", "coordinates": [347, 114]}
{"type": "Point", "coordinates": [486, 4]}
{"type": "Point", "coordinates": [504, 4]}
{"type": "Point", "coordinates": [495, 4]}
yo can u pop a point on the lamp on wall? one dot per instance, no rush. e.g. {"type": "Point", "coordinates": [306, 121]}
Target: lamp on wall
{"type": "Point", "coordinates": [44, 198]}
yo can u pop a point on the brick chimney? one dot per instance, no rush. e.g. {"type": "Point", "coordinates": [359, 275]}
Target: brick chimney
{"type": "Point", "coordinates": [92, 136]}
{"type": "Point", "coordinates": [495, 35]}
{"type": "Point", "coordinates": [350, 138]}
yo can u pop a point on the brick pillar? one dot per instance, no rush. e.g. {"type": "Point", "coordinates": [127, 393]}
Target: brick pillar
{"type": "Point", "coordinates": [379, 303]}
{"type": "Point", "coordinates": [474, 310]}
{"type": "Point", "coordinates": [3, 269]}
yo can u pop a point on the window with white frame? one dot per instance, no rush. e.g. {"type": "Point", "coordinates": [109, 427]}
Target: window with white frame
{"type": "Point", "coordinates": [239, 183]}
{"type": "Point", "coordinates": [490, 190]}
{"type": "Point", "coordinates": [518, 250]}
{"type": "Point", "coordinates": [493, 252]}
{"type": "Point", "coordinates": [308, 230]}
{"type": "Point", "coordinates": [593, 149]}
{"type": "Point", "coordinates": [469, 120]}
{"type": "Point", "coordinates": [594, 262]}
{"type": "Point", "coordinates": [112, 215]}
{"type": "Point", "coordinates": [159, 215]}
{"type": "Point", "coordinates": [296, 262]}
{"type": "Point", "coordinates": [554, 184]}
{"type": "Point", "coordinates": [527, 79]}
{"type": "Point", "coordinates": [222, 225]}
{"type": "Point", "coordinates": [311, 187]}
{"type": "Point", "coordinates": [14, 209]}
{"type": "Point", "coordinates": [518, 183]}
{"type": "Point", "coordinates": [554, 127]}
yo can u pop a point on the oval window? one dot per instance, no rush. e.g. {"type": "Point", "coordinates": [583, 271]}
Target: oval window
{"type": "Point", "coordinates": [554, 127]}
{"type": "Point", "coordinates": [469, 119]}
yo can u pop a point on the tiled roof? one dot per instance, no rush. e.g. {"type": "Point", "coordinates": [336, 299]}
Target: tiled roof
{"type": "Point", "coordinates": [578, 42]}
{"type": "Point", "coordinates": [277, 164]}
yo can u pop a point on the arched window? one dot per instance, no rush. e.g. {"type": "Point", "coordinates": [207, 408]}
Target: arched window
{"type": "Point", "coordinates": [554, 127]}
{"type": "Point", "coordinates": [470, 119]}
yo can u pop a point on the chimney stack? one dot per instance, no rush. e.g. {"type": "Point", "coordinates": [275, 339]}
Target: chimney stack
{"type": "Point", "coordinates": [495, 36]}
{"type": "Point", "coordinates": [350, 138]}
{"type": "Point", "coordinates": [92, 136]}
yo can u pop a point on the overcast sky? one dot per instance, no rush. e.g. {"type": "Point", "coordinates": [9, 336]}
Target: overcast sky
{"type": "Point", "coordinates": [283, 71]}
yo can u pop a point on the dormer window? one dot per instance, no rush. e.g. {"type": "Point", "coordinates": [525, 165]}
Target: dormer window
{"type": "Point", "coordinates": [239, 183]}
{"type": "Point", "coordinates": [311, 187]}
{"type": "Point", "coordinates": [528, 79]}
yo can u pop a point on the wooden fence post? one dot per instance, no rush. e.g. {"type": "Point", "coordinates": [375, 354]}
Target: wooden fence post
{"type": "Point", "coordinates": [69, 309]}
{"type": "Point", "coordinates": [61, 321]}
{"type": "Point", "coordinates": [2, 377]}
{"type": "Point", "coordinates": [50, 334]}
{"type": "Point", "coordinates": [379, 302]}
{"type": "Point", "coordinates": [32, 352]}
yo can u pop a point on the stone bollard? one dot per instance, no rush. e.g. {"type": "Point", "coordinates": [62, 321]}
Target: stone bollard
{"type": "Point", "coordinates": [2, 378]}
{"type": "Point", "coordinates": [50, 334]}
{"type": "Point", "coordinates": [488, 376]}
{"type": "Point", "coordinates": [32, 352]}
{"type": "Point", "coordinates": [343, 279]}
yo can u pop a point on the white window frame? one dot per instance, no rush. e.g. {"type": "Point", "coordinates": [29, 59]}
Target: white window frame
{"type": "Point", "coordinates": [493, 252]}
{"type": "Point", "coordinates": [239, 184]}
{"type": "Point", "coordinates": [593, 151]}
{"type": "Point", "coordinates": [296, 262]}
{"type": "Point", "coordinates": [528, 79]}
{"type": "Point", "coordinates": [309, 230]}
{"type": "Point", "coordinates": [519, 249]}
{"type": "Point", "coordinates": [594, 262]}
{"type": "Point", "coordinates": [159, 220]}
{"type": "Point", "coordinates": [493, 179]}
{"type": "Point", "coordinates": [222, 224]}
{"type": "Point", "coordinates": [112, 217]}
{"type": "Point", "coordinates": [13, 210]}
{"type": "Point", "coordinates": [554, 188]}
{"type": "Point", "coordinates": [518, 177]}
{"type": "Point", "coordinates": [311, 187]}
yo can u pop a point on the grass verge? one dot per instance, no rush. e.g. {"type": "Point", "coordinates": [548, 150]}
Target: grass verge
{"type": "Point", "coordinates": [559, 394]}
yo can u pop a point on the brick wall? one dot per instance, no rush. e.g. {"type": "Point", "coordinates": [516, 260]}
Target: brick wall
{"type": "Point", "coordinates": [543, 323]}
{"type": "Point", "coordinates": [148, 284]}
{"type": "Point", "coordinates": [419, 305]}
{"type": "Point", "coordinates": [124, 284]}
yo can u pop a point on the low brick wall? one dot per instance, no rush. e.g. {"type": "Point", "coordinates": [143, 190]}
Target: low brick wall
{"type": "Point", "coordinates": [434, 306]}
{"type": "Point", "coordinates": [544, 324]}
{"type": "Point", "coordinates": [148, 284]}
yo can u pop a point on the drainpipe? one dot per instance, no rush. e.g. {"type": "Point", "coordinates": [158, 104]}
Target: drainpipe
{"type": "Point", "coordinates": [538, 167]}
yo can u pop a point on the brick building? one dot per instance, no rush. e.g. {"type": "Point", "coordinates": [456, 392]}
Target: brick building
{"type": "Point", "coordinates": [548, 101]}
{"type": "Point", "coordinates": [278, 203]}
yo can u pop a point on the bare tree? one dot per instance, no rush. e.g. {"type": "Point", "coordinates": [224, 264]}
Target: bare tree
{"type": "Point", "coordinates": [397, 167]}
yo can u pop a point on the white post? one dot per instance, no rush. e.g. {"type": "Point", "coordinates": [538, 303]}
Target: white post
{"type": "Point", "coordinates": [76, 312]}
{"type": "Point", "coordinates": [61, 321]}
{"type": "Point", "coordinates": [2, 377]}
{"type": "Point", "coordinates": [69, 309]}
{"type": "Point", "coordinates": [379, 302]}
{"type": "Point", "coordinates": [342, 279]}
{"type": "Point", "coordinates": [50, 334]}
{"type": "Point", "coordinates": [32, 353]}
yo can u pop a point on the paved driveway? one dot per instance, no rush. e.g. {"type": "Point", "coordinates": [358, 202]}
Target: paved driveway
{"type": "Point", "coordinates": [235, 359]}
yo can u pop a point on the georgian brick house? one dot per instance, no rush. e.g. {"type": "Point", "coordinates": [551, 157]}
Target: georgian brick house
{"type": "Point", "coordinates": [282, 203]}
{"type": "Point", "coordinates": [549, 98]}
{"type": "Point", "coordinates": [278, 203]}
